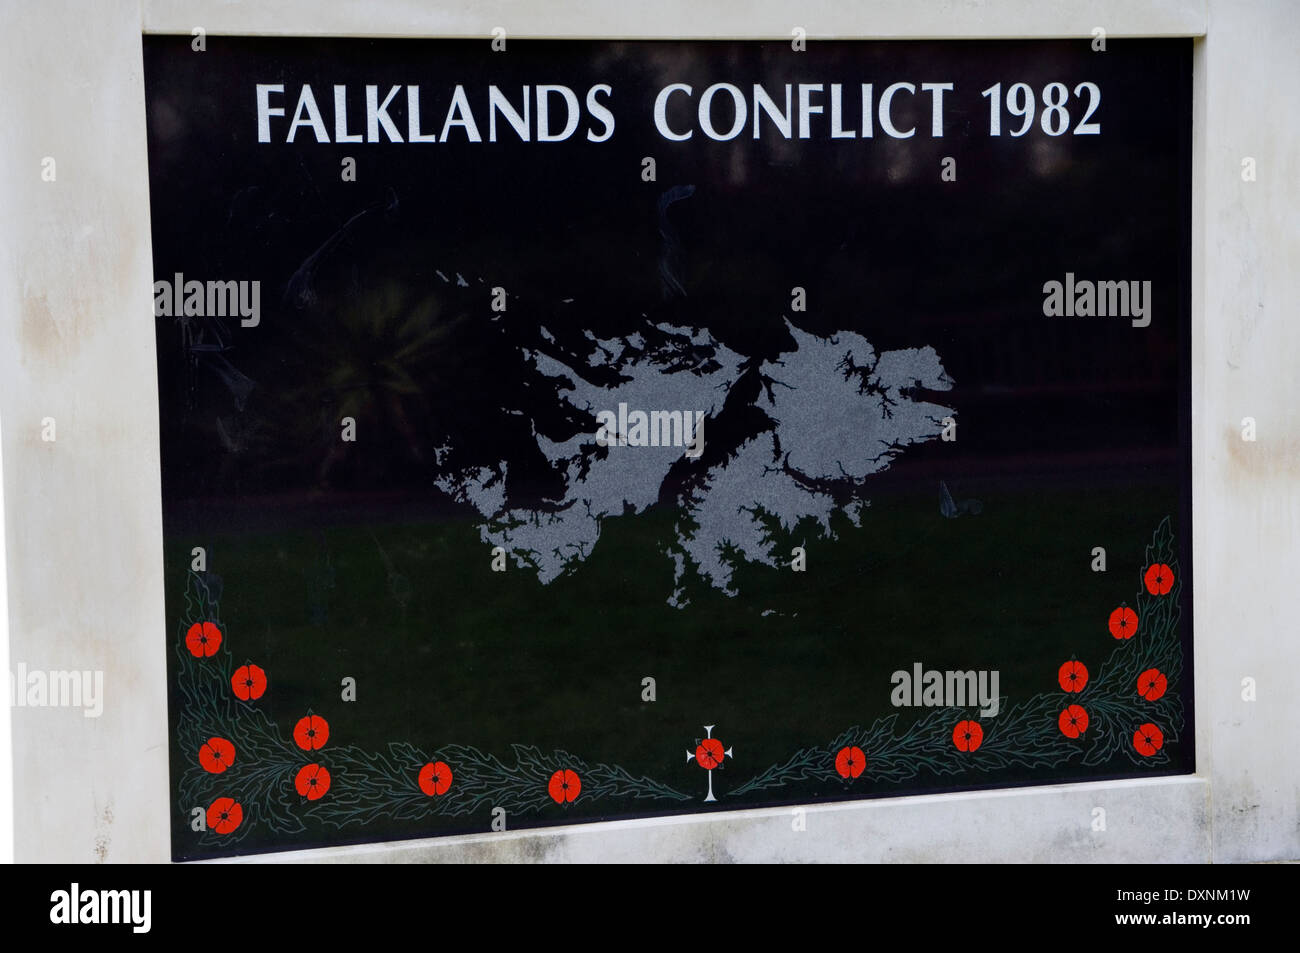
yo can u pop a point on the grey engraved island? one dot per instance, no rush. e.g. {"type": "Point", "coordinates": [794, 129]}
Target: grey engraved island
{"type": "Point", "coordinates": [833, 412]}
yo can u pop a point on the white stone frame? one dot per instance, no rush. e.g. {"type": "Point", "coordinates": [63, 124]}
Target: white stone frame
{"type": "Point", "coordinates": [82, 515]}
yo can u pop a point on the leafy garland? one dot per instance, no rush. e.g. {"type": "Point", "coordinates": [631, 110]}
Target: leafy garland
{"type": "Point", "coordinates": [249, 773]}
{"type": "Point", "coordinates": [1117, 714]}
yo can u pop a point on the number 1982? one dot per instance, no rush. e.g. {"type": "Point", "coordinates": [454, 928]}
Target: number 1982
{"type": "Point", "coordinates": [1055, 117]}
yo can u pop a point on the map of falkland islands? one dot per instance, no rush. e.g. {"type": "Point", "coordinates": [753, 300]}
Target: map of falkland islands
{"type": "Point", "coordinates": [837, 412]}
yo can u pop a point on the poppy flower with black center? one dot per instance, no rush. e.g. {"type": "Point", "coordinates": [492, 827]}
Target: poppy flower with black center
{"type": "Point", "coordinates": [1072, 676]}
{"type": "Point", "coordinates": [249, 682]}
{"type": "Point", "coordinates": [203, 639]}
{"type": "Point", "coordinates": [968, 735]}
{"type": "Point", "coordinates": [850, 762]}
{"type": "Point", "coordinates": [311, 732]}
{"type": "Point", "coordinates": [709, 753]}
{"type": "Point", "coordinates": [1073, 721]}
{"type": "Point", "coordinates": [1123, 623]}
{"type": "Point", "coordinates": [216, 754]}
{"type": "Point", "coordinates": [1152, 684]}
{"type": "Point", "coordinates": [1148, 740]}
{"type": "Point", "coordinates": [225, 815]}
{"type": "Point", "coordinates": [564, 786]}
{"type": "Point", "coordinates": [312, 782]}
{"type": "Point", "coordinates": [1159, 579]}
{"type": "Point", "coordinates": [435, 778]}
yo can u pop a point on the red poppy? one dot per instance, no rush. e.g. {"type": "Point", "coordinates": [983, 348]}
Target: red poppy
{"type": "Point", "coordinates": [311, 732]}
{"type": "Point", "coordinates": [435, 778]}
{"type": "Point", "coordinates": [1073, 676]}
{"type": "Point", "coordinates": [709, 753]}
{"type": "Point", "coordinates": [1148, 740]}
{"type": "Point", "coordinates": [225, 815]}
{"type": "Point", "coordinates": [203, 639]}
{"type": "Point", "coordinates": [1152, 684]}
{"type": "Point", "coordinates": [249, 682]}
{"type": "Point", "coordinates": [850, 762]}
{"type": "Point", "coordinates": [1123, 623]}
{"type": "Point", "coordinates": [1159, 579]}
{"type": "Point", "coordinates": [1073, 721]}
{"type": "Point", "coordinates": [216, 754]}
{"type": "Point", "coordinates": [312, 782]}
{"type": "Point", "coordinates": [968, 735]}
{"type": "Point", "coordinates": [564, 786]}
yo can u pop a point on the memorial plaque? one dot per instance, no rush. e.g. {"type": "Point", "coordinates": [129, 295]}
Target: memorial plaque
{"type": "Point", "coordinates": [555, 432]}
